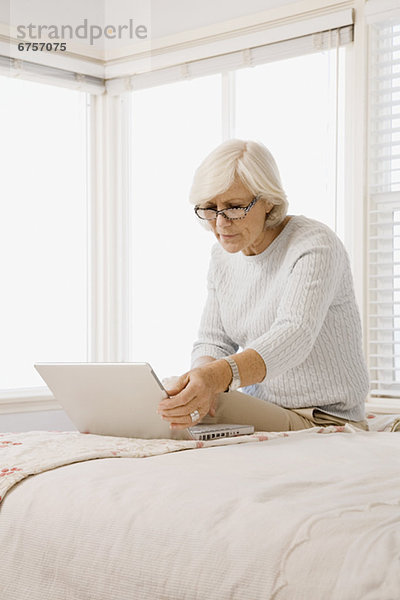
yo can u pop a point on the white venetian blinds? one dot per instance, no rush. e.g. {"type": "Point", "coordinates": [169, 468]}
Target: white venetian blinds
{"type": "Point", "coordinates": [254, 49]}
{"type": "Point", "coordinates": [384, 210]}
{"type": "Point", "coordinates": [39, 73]}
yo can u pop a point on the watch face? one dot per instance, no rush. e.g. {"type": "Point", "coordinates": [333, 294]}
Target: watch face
{"type": "Point", "coordinates": [235, 384]}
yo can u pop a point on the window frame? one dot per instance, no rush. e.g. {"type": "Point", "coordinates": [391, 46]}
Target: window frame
{"type": "Point", "coordinates": [109, 191]}
{"type": "Point", "coordinates": [382, 203]}
{"type": "Point", "coordinates": [37, 398]}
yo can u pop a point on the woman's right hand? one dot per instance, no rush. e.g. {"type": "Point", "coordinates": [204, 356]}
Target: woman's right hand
{"type": "Point", "coordinates": [175, 384]}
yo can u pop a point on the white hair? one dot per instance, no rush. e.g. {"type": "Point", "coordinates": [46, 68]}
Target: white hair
{"type": "Point", "coordinates": [253, 163]}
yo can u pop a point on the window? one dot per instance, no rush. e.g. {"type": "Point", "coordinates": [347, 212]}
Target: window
{"type": "Point", "coordinates": [292, 107]}
{"type": "Point", "coordinates": [43, 229]}
{"type": "Point", "coordinates": [174, 127]}
{"type": "Point", "coordinates": [178, 115]}
{"type": "Point", "coordinates": [384, 211]}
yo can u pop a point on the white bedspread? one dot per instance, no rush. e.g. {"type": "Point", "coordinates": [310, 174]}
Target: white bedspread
{"type": "Point", "coordinates": [299, 516]}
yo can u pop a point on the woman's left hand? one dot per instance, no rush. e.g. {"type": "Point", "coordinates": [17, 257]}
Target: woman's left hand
{"type": "Point", "coordinates": [194, 390]}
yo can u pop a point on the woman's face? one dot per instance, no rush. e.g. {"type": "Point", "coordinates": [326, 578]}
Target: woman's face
{"type": "Point", "coordinates": [246, 235]}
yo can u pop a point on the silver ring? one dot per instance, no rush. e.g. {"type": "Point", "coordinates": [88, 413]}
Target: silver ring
{"type": "Point", "coordinates": [195, 416]}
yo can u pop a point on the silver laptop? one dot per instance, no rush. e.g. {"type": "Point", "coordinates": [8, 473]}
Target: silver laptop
{"type": "Point", "coordinates": [119, 399]}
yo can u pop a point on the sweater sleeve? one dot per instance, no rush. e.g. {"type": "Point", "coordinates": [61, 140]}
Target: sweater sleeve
{"type": "Point", "coordinates": [305, 300]}
{"type": "Point", "coordinates": [212, 337]}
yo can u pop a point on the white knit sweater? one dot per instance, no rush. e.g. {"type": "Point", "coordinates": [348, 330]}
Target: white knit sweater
{"type": "Point", "coordinates": [294, 304]}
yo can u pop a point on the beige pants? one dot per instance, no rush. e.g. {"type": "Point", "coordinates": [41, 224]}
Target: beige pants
{"type": "Point", "coordinates": [242, 409]}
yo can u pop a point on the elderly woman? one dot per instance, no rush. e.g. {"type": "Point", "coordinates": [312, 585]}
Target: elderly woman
{"type": "Point", "coordinates": [281, 320]}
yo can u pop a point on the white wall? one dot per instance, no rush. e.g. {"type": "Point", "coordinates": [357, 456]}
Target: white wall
{"type": "Point", "coordinates": [175, 16]}
{"type": "Point", "coordinates": [161, 17]}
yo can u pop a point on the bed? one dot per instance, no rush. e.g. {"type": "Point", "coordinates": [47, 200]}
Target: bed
{"type": "Point", "coordinates": [305, 515]}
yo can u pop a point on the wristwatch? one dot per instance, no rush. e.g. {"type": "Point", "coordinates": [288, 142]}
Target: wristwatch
{"type": "Point", "coordinates": [235, 383]}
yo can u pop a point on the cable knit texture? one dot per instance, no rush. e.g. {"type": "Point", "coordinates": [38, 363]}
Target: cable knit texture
{"type": "Point", "coordinates": [295, 305]}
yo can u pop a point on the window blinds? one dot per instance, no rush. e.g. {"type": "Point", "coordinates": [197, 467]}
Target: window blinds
{"type": "Point", "coordinates": [293, 35]}
{"type": "Point", "coordinates": [248, 57]}
{"type": "Point", "coordinates": [384, 210]}
{"type": "Point", "coordinates": [13, 67]}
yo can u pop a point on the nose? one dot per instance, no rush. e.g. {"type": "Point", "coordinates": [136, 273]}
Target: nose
{"type": "Point", "coordinates": [222, 221]}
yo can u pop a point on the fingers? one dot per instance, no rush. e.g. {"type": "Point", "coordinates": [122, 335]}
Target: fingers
{"type": "Point", "coordinates": [171, 384]}
{"type": "Point", "coordinates": [187, 394]}
{"type": "Point", "coordinates": [174, 385]}
{"type": "Point", "coordinates": [182, 410]}
{"type": "Point", "coordinates": [177, 408]}
{"type": "Point", "coordinates": [177, 400]}
{"type": "Point", "coordinates": [184, 422]}
{"type": "Point", "coordinates": [180, 418]}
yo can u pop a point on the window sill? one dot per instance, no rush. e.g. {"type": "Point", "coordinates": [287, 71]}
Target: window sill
{"type": "Point", "coordinates": [386, 406]}
{"type": "Point", "coordinates": [27, 400]}
{"type": "Point", "coordinates": [36, 399]}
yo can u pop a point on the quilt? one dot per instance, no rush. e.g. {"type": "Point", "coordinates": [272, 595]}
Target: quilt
{"type": "Point", "coordinates": [277, 516]}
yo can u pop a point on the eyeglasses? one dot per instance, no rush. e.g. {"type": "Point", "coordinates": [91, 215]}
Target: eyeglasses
{"type": "Point", "coordinates": [232, 214]}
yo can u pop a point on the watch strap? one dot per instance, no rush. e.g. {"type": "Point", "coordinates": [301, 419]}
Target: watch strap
{"type": "Point", "coordinates": [235, 382]}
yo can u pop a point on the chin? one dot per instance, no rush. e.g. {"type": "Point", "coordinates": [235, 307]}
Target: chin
{"type": "Point", "coordinates": [230, 247]}
{"type": "Point", "coordinates": [231, 250]}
